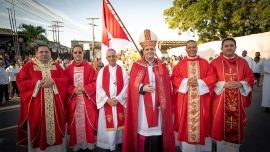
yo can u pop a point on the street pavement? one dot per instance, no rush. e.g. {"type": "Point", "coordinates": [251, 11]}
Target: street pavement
{"type": "Point", "coordinates": [257, 132]}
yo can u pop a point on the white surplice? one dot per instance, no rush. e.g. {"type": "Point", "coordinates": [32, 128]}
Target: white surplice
{"type": "Point", "coordinates": [266, 84]}
{"type": "Point", "coordinates": [108, 139]}
{"type": "Point", "coordinates": [249, 60]}
{"type": "Point", "coordinates": [143, 128]}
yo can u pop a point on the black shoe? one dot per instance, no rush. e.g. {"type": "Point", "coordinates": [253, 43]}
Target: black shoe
{"type": "Point", "coordinates": [120, 146]}
{"type": "Point", "coordinates": [266, 110]}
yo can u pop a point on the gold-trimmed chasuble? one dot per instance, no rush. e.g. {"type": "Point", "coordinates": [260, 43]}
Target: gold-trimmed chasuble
{"type": "Point", "coordinates": [48, 100]}
{"type": "Point", "coordinates": [193, 104]}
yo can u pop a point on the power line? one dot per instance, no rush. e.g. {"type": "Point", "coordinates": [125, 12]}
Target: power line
{"type": "Point", "coordinates": [38, 11]}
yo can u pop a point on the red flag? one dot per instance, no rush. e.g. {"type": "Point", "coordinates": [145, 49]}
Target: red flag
{"type": "Point", "coordinates": [113, 35]}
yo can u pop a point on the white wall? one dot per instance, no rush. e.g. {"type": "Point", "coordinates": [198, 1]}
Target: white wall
{"type": "Point", "coordinates": [251, 43]}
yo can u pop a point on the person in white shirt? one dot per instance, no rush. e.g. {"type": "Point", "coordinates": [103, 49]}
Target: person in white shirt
{"type": "Point", "coordinates": [247, 58]}
{"type": "Point", "coordinates": [256, 67]}
{"type": "Point", "coordinates": [266, 84]}
{"type": "Point", "coordinates": [3, 82]}
{"type": "Point", "coordinates": [12, 72]}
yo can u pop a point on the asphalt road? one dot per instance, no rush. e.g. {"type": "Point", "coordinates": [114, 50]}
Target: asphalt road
{"type": "Point", "coordinates": [257, 133]}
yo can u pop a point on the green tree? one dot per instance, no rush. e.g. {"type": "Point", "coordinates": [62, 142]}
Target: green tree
{"type": "Point", "coordinates": [217, 19]}
{"type": "Point", "coordinates": [33, 33]}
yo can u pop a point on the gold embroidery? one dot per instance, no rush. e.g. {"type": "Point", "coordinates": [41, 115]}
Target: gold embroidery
{"type": "Point", "coordinates": [48, 99]}
{"type": "Point", "coordinates": [109, 118]}
{"type": "Point", "coordinates": [231, 122]}
{"type": "Point", "coordinates": [230, 74]}
{"type": "Point", "coordinates": [121, 116]}
{"type": "Point", "coordinates": [193, 104]}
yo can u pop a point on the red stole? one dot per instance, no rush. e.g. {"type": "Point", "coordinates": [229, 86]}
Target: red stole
{"type": "Point", "coordinates": [232, 101]}
{"type": "Point", "coordinates": [151, 113]}
{"type": "Point", "coordinates": [119, 107]}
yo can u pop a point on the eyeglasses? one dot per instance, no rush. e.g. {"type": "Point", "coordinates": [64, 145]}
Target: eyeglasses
{"type": "Point", "coordinates": [77, 52]}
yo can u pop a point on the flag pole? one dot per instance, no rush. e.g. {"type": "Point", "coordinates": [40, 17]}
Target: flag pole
{"type": "Point", "coordinates": [123, 26]}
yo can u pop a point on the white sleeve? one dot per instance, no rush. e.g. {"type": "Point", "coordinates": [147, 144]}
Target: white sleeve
{"type": "Point", "coordinates": [101, 96]}
{"type": "Point", "coordinates": [202, 87]}
{"type": "Point", "coordinates": [183, 88]}
{"type": "Point", "coordinates": [219, 87]}
{"type": "Point", "coordinates": [36, 89]}
{"type": "Point", "coordinates": [54, 88]}
{"type": "Point", "coordinates": [123, 94]}
{"type": "Point", "coordinates": [245, 90]}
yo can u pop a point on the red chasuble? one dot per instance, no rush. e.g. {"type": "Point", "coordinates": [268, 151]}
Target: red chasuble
{"type": "Point", "coordinates": [89, 97]}
{"type": "Point", "coordinates": [192, 111]}
{"type": "Point", "coordinates": [119, 107]}
{"type": "Point", "coordinates": [163, 95]}
{"type": "Point", "coordinates": [229, 108]}
{"type": "Point", "coordinates": [33, 109]}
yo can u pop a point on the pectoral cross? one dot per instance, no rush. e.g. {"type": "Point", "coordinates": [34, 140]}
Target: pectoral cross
{"type": "Point", "coordinates": [231, 122]}
{"type": "Point", "coordinates": [114, 83]}
{"type": "Point", "coordinates": [230, 74]}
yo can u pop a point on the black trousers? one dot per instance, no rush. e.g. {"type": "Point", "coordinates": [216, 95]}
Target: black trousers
{"type": "Point", "coordinates": [151, 144]}
{"type": "Point", "coordinates": [3, 90]}
{"type": "Point", "coordinates": [13, 88]}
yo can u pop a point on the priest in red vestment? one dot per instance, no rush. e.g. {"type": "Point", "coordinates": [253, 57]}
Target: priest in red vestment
{"type": "Point", "coordinates": [81, 102]}
{"type": "Point", "coordinates": [148, 122]}
{"type": "Point", "coordinates": [193, 82]}
{"type": "Point", "coordinates": [42, 84]}
{"type": "Point", "coordinates": [231, 97]}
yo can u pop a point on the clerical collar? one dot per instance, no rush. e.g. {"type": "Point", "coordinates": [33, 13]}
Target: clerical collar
{"type": "Point", "coordinates": [229, 57]}
{"type": "Point", "coordinates": [192, 57]}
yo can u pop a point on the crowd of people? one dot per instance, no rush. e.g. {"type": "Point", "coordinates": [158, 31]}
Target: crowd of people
{"type": "Point", "coordinates": [150, 104]}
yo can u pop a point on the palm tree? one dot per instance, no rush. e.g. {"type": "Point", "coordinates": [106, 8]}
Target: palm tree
{"type": "Point", "coordinates": [33, 33]}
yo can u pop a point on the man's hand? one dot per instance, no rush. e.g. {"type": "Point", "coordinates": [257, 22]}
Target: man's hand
{"type": "Point", "coordinates": [148, 88]}
{"type": "Point", "coordinates": [192, 82]}
{"type": "Point", "coordinates": [233, 85]}
{"type": "Point", "coordinates": [46, 82]}
{"type": "Point", "coordinates": [112, 101]}
{"type": "Point", "coordinates": [79, 90]}
{"type": "Point", "coordinates": [236, 84]}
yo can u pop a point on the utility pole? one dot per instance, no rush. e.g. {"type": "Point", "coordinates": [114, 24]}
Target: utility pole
{"type": "Point", "coordinates": [54, 31]}
{"type": "Point", "coordinates": [93, 38]}
{"type": "Point", "coordinates": [57, 39]}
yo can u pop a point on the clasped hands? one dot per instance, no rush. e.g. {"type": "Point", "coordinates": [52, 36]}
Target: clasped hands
{"type": "Point", "coordinates": [148, 88]}
{"type": "Point", "coordinates": [46, 82]}
{"type": "Point", "coordinates": [233, 85]}
{"type": "Point", "coordinates": [79, 90]}
{"type": "Point", "coordinates": [112, 102]}
{"type": "Point", "coordinates": [192, 82]}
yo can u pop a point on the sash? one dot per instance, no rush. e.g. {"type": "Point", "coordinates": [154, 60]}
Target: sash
{"type": "Point", "coordinates": [150, 109]}
{"type": "Point", "coordinates": [119, 107]}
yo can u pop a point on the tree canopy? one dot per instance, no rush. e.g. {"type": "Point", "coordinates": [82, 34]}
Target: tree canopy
{"type": "Point", "coordinates": [33, 33]}
{"type": "Point", "coordinates": [217, 19]}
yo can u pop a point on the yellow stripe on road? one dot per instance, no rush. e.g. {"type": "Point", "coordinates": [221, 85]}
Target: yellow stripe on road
{"type": "Point", "coordinates": [9, 107]}
{"type": "Point", "coordinates": [11, 127]}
